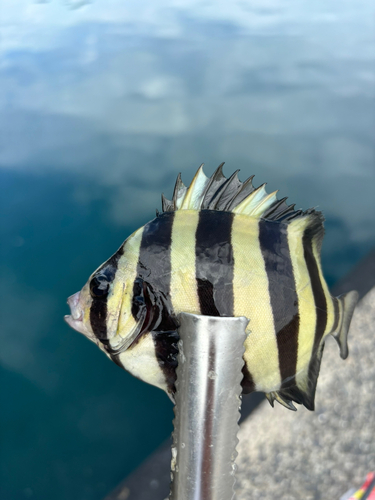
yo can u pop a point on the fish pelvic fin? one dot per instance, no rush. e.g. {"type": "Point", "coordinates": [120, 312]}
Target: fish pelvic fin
{"type": "Point", "coordinates": [231, 195]}
{"type": "Point", "coordinates": [346, 305]}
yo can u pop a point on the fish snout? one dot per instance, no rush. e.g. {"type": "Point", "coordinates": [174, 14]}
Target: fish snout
{"type": "Point", "coordinates": [73, 303]}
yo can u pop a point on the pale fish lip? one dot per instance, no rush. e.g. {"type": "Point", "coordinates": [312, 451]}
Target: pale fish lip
{"type": "Point", "coordinates": [73, 303]}
{"type": "Point", "coordinates": [76, 324]}
{"type": "Point", "coordinates": [75, 318]}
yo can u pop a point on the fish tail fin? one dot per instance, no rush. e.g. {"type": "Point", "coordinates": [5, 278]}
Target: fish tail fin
{"type": "Point", "coordinates": [346, 305]}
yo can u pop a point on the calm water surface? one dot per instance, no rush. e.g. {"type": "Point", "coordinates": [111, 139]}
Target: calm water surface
{"type": "Point", "coordinates": [102, 104]}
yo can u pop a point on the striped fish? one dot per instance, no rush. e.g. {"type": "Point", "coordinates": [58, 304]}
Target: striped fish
{"type": "Point", "coordinates": [220, 248]}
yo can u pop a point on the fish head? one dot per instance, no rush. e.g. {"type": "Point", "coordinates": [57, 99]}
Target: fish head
{"type": "Point", "coordinates": [125, 311]}
{"type": "Point", "coordinates": [120, 302]}
{"type": "Point", "coordinates": [95, 310]}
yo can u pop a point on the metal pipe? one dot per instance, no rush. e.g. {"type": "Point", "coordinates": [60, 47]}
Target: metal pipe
{"type": "Point", "coordinates": [208, 401]}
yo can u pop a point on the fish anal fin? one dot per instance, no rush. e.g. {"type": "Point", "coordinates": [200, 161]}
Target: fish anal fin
{"type": "Point", "coordinates": [271, 398]}
{"type": "Point", "coordinates": [284, 401]}
{"type": "Point", "coordinates": [304, 390]}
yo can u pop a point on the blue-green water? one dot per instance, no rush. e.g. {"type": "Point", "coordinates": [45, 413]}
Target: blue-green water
{"type": "Point", "coordinates": [102, 104]}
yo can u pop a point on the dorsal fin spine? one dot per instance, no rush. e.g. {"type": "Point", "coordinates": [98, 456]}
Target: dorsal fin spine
{"type": "Point", "coordinates": [249, 203]}
{"type": "Point", "coordinates": [218, 201]}
{"type": "Point", "coordinates": [270, 211]}
{"type": "Point", "coordinates": [246, 189]}
{"type": "Point", "coordinates": [179, 193]}
{"type": "Point", "coordinates": [264, 204]}
{"type": "Point", "coordinates": [231, 195]}
{"type": "Point", "coordinates": [166, 205]}
{"type": "Point", "coordinates": [193, 196]}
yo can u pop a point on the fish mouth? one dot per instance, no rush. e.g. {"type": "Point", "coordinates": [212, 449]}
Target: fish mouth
{"type": "Point", "coordinates": [75, 319]}
{"type": "Point", "coordinates": [76, 324]}
{"type": "Point", "coordinates": [75, 309]}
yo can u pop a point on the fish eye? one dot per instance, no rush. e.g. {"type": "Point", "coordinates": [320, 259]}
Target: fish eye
{"type": "Point", "coordinates": [99, 286]}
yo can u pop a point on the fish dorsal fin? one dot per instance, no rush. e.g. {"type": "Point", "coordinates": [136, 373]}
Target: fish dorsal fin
{"type": "Point", "coordinates": [231, 195]}
{"type": "Point", "coordinates": [194, 195]}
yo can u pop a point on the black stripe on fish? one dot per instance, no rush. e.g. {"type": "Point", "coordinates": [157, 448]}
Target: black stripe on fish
{"type": "Point", "coordinates": [306, 397]}
{"type": "Point", "coordinates": [247, 383]}
{"type": "Point", "coordinates": [206, 297]}
{"type": "Point", "coordinates": [214, 263]}
{"type": "Point", "coordinates": [166, 349]}
{"type": "Point", "coordinates": [317, 287]}
{"type": "Point", "coordinates": [273, 240]}
{"type": "Point", "coordinates": [336, 314]}
{"type": "Point", "coordinates": [152, 286]}
{"type": "Point", "coordinates": [154, 262]}
{"type": "Point", "coordinates": [98, 308]}
{"type": "Point", "coordinates": [151, 293]}
{"type": "Point", "coordinates": [153, 270]}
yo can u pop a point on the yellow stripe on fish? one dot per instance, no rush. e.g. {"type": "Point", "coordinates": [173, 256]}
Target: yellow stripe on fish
{"type": "Point", "coordinates": [183, 290]}
{"type": "Point", "coordinates": [252, 300]}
